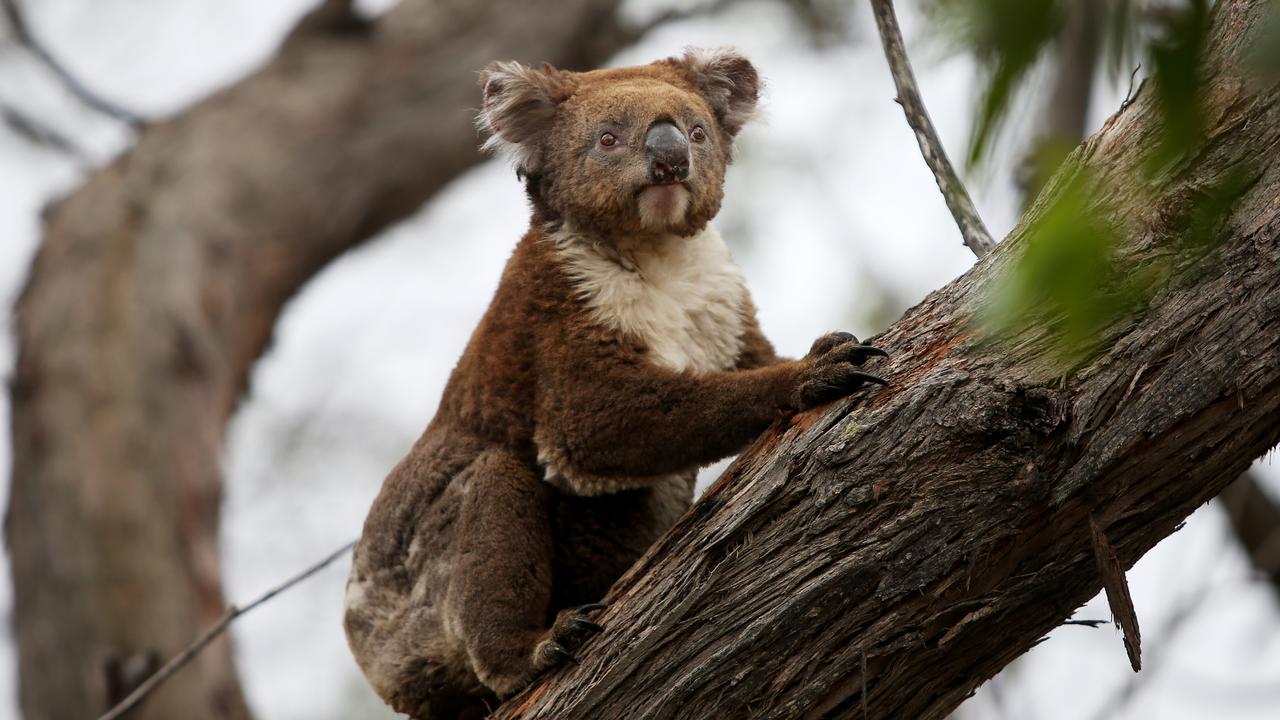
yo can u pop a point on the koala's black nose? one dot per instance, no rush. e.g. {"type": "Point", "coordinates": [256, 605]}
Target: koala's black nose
{"type": "Point", "coordinates": [668, 153]}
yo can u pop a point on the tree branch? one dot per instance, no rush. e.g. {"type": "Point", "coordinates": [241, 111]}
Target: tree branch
{"type": "Point", "coordinates": [1061, 126]}
{"type": "Point", "coordinates": [972, 229]}
{"type": "Point", "coordinates": [1118, 597]}
{"type": "Point", "coordinates": [676, 14]}
{"type": "Point", "coordinates": [22, 31]}
{"type": "Point", "coordinates": [175, 664]}
{"type": "Point", "coordinates": [40, 133]}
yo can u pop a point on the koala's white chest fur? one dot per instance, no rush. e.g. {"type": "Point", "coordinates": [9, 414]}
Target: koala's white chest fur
{"type": "Point", "coordinates": [682, 296]}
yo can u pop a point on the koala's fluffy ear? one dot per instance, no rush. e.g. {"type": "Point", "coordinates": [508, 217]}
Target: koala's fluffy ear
{"type": "Point", "coordinates": [727, 80]}
{"type": "Point", "coordinates": [519, 106]}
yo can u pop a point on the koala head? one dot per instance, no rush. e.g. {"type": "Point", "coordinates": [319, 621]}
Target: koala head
{"type": "Point", "coordinates": [631, 150]}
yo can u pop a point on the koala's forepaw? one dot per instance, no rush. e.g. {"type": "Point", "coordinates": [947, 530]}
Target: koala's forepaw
{"type": "Point", "coordinates": [571, 628]}
{"type": "Point", "coordinates": [833, 372]}
{"type": "Point", "coordinates": [850, 349]}
{"type": "Point", "coordinates": [828, 342]}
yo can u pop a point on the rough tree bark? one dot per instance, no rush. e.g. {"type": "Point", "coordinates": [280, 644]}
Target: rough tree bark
{"type": "Point", "coordinates": [156, 287]}
{"type": "Point", "coordinates": [883, 557]}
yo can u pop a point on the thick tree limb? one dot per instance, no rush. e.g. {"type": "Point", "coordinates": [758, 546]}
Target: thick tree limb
{"type": "Point", "coordinates": [1255, 519]}
{"type": "Point", "coordinates": [939, 528]}
{"type": "Point", "coordinates": [156, 287]}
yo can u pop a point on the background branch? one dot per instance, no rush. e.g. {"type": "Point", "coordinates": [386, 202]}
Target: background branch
{"type": "Point", "coordinates": [972, 229]}
{"type": "Point", "coordinates": [40, 133]}
{"type": "Point", "coordinates": [1255, 522]}
{"type": "Point", "coordinates": [22, 32]}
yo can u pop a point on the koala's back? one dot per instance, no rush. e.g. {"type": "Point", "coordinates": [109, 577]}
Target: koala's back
{"type": "Point", "coordinates": [395, 607]}
{"type": "Point", "coordinates": [395, 593]}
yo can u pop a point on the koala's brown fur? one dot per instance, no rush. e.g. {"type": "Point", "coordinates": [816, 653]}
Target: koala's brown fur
{"type": "Point", "coordinates": [620, 353]}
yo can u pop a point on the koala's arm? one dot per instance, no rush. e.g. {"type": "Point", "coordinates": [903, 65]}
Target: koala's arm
{"type": "Point", "coordinates": [610, 413]}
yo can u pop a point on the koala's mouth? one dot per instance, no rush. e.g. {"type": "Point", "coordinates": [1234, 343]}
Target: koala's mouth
{"type": "Point", "coordinates": [662, 205]}
{"type": "Point", "coordinates": [664, 184]}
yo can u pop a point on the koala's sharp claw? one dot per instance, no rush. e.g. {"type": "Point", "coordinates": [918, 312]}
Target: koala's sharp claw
{"type": "Point", "coordinates": [857, 354]}
{"type": "Point", "coordinates": [584, 624]}
{"type": "Point", "coordinates": [589, 607]}
{"type": "Point", "coordinates": [559, 651]}
{"type": "Point", "coordinates": [845, 336]}
{"type": "Point", "coordinates": [868, 377]}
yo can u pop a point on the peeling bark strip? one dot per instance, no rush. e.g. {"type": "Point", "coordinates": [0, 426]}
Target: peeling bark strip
{"type": "Point", "coordinates": [156, 287]}
{"type": "Point", "coordinates": [941, 525]}
{"type": "Point", "coordinates": [1118, 597]}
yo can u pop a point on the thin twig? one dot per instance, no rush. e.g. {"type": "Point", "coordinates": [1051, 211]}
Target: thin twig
{"type": "Point", "coordinates": [1129, 96]}
{"type": "Point", "coordinates": [22, 32]}
{"type": "Point", "coordinates": [974, 232]}
{"type": "Point", "coordinates": [677, 14]}
{"type": "Point", "coordinates": [40, 133]}
{"type": "Point", "coordinates": [182, 658]}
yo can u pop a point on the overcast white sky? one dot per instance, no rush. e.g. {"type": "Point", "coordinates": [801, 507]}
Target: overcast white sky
{"type": "Point", "coordinates": [830, 211]}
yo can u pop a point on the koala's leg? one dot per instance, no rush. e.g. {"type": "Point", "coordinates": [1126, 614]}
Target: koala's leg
{"type": "Point", "coordinates": [500, 587]}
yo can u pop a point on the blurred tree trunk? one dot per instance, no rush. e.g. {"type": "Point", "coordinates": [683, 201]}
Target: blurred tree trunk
{"type": "Point", "coordinates": [883, 557]}
{"type": "Point", "coordinates": [1255, 521]}
{"type": "Point", "coordinates": [156, 287]}
{"type": "Point", "coordinates": [1066, 106]}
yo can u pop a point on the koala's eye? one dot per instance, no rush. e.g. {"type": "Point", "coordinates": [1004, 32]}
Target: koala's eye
{"type": "Point", "coordinates": [697, 134]}
{"type": "Point", "coordinates": [608, 140]}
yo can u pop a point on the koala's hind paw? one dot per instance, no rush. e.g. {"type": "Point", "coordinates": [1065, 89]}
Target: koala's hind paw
{"type": "Point", "coordinates": [571, 628]}
{"type": "Point", "coordinates": [552, 653]}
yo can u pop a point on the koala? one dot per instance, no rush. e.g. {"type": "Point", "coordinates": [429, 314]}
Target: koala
{"type": "Point", "coordinates": [620, 353]}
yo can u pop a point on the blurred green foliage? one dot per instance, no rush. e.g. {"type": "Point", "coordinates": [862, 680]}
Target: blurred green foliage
{"type": "Point", "coordinates": [1007, 38]}
{"type": "Point", "coordinates": [1069, 277]}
